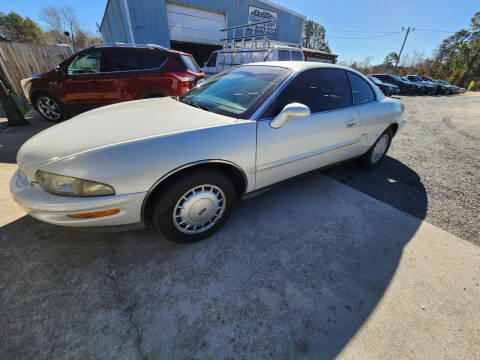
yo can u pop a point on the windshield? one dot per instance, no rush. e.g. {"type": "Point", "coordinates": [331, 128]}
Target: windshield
{"type": "Point", "coordinates": [236, 91]}
{"type": "Point", "coordinates": [397, 78]}
{"type": "Point", "coordinates": [375, 80]}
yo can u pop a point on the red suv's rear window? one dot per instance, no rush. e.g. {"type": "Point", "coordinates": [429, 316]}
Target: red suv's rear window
{"type": "Point", "coordinates": [189, 63]}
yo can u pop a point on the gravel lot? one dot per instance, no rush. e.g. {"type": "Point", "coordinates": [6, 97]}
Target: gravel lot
{"type": "Point", "coordinates": [432, 171]}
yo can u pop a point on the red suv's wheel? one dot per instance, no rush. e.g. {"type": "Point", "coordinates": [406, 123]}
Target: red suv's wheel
{"type": "Point", "coordinates": [49, 107]}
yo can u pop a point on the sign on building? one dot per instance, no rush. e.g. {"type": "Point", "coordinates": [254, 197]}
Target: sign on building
{"type": "Point", "coordinates": [256, 15]}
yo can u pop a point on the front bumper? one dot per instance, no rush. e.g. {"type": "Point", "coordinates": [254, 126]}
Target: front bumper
{"type": "Point", "coordinates": [54, 209]}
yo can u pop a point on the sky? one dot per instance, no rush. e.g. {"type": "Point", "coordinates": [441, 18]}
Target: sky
{"type": "Point", "coordinates": [373, 21]}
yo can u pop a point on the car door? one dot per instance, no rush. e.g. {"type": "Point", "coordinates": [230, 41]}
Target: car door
{"type": "Point", "coordinates": [77, 85]}
{"type": "Point", "coordinates": [370, 111]}
{"type": "Point", "coordinates": [304, 144]}
{"type": "Point", "coordinates": [122, 75]}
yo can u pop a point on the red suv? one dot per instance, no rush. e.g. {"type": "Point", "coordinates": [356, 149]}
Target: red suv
{"type": "Point", "coordinates": [103, 74]}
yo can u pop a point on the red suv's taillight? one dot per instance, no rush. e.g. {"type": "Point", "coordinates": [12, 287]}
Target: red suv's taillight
{"type": "Point", "coordinates": [182, 76]}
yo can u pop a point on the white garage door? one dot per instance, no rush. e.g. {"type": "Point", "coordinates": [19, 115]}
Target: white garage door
{"type": "Point", "coordinates": [194, 25]}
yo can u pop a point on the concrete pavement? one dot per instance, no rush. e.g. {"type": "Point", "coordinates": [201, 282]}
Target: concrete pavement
{"type": "Point", "coordinates": [311, 269]}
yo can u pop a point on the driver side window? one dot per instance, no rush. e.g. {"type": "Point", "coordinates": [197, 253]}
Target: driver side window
{"type": "Point", "coordinates": [86, 63]}
{"type": "Point", "coordinates": [319, 89]}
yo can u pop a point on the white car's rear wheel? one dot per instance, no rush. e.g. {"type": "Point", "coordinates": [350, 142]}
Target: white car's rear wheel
{"type": "Point", "coordinates": [378, 150]}
{"type": "Point", "coordinates": [194, 206]}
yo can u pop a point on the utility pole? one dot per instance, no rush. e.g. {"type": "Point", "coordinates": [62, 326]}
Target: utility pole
{"type": "Point", "coordinates": [403, 44]}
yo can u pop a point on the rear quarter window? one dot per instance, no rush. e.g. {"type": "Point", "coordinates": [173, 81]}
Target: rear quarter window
{"type": "Point", "coordinates": [189, 63]}
{"type": "Point", "coordinates": [297, 56]}
{"type": "Point", "coordinates": [284, 55]}
{"type": "Point", "coordinates": [151, 59]}
{"type": "Point", "coordinates": [361, 90]}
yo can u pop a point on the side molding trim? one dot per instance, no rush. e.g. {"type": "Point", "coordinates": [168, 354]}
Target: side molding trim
{"type": "Point", "coordinates": [305, 155]}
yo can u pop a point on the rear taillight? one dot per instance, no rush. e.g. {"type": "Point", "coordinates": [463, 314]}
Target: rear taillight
{"type": "Point", "coordinates": [182, 76]}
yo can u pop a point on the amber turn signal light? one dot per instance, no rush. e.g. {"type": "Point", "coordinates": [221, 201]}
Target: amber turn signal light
{"type": "Point", "coordinates": [96, 214]}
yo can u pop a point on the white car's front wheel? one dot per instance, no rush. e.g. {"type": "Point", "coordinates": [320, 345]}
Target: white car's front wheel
{"type": "Point", "coordinates": [192, 207]}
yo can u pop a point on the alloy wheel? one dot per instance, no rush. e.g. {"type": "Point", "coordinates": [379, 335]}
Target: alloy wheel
{"type": "Point", "coordinates": [49, 108]}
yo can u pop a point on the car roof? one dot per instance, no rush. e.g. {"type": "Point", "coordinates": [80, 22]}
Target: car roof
{"type": "Point", "coordinates": [301, 65]}
{"type": "Point", "coordinates": [137, 46]}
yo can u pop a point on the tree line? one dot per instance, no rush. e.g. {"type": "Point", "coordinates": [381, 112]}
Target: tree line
{"type": "Point", "coordinates": [59, 21]}
{"type": "Point", "coordinates": [456, 60]}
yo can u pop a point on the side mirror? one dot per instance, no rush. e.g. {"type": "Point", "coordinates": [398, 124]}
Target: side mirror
{"type": "Point", "coordinates": [59, 69]}
{"type": "Point", "coordinates": [289, 112]}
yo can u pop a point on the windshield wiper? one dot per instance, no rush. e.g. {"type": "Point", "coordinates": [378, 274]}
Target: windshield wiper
{"type": "Point", "coordinates": [197, 105]}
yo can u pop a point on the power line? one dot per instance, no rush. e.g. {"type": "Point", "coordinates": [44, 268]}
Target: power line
{"type": "Point", "coordinates": [363, 38]}
{"type": "Point", "coordinates": [438, 31]}
{"type": "Point", "coordinates": [362, 32]}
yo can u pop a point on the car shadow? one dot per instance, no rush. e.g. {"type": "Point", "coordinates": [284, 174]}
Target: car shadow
{"type": "Point", "coordinates": [13, 137]}
{"type": "Point", "coordinates": [391, 182]}
{"type": "Point", "coordinates": [295, 273]}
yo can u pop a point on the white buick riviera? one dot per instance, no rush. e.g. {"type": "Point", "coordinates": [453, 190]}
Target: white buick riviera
{"type": "Point", "coordinates": [181, 163]}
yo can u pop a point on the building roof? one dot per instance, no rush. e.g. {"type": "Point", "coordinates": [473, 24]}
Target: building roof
{"type": "Point", "coordinates": [318, 52]}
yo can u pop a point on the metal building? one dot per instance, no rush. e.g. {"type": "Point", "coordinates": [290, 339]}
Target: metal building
{"type": "Point", "coordinates": [194, 25]}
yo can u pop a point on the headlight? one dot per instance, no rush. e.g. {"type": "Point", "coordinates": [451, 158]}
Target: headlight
{"type": "Point", "coordinates": [26, 85]}
{"type": "Point", "coordinates": [66, 185]}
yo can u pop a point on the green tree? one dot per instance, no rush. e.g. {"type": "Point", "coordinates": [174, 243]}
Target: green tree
{"type": "Point", "coordinates": [458, 57]}
{"type": "Point", "coordinates": [13, 27]}
{"type": "Point", "coordinates": [85, 39]}
{"type": "Point", "coordinates": [391, 59]}
{"type": "Point", "coordinates": [314, 36]}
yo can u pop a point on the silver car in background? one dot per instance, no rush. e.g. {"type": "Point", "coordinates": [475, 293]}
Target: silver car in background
{"type": "Point", "coordinates": [182, 163]}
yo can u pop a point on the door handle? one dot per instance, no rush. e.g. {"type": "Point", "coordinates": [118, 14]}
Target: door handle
{"type": "Point", "coordinates": [352, 123]}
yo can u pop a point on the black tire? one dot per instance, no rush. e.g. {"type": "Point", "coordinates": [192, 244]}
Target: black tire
{"type": "Point", "coordinates": [58, 113]}
{"type": "Point", "coordinates": [166, 201]}
{"type": "Point", "coordinates": [367, 160]}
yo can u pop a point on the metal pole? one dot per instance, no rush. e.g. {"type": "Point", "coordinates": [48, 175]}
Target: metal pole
{"type": "Point", "coordinates": [14, 115]}
{"type": "Point", "coordinates": [403, 44]}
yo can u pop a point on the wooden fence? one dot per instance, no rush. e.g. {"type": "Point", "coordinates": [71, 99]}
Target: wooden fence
{"type": "Point", "coordinates": [18, 61]}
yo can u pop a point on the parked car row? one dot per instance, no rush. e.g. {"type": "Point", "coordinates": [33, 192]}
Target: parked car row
{"type": "Point", "coordinates": [413, 85]}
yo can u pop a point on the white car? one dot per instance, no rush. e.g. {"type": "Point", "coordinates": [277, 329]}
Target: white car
{"type": "Point", "coordinates": [181, 163]}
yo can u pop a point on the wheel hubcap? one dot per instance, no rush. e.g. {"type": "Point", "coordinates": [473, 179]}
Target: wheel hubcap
{"type": "Point", "coordinates": [48, 108]}
{"type": "Point", "coordinates": [380, 148]}
{"type": "Point", "coordinates": [199, 209]}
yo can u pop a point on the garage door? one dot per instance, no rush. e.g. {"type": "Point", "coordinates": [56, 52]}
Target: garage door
{"type": "Point", "coordinates": [194, 25]}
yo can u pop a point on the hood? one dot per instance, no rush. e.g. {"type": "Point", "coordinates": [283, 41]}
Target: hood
{"type": "Point", "coordinates": [110, 125]}
{"type": "Point", "coordinates": [37, 76]}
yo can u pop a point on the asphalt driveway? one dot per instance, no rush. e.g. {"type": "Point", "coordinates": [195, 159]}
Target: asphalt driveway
{"type": "Point", "coordinates": [311, 269]}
